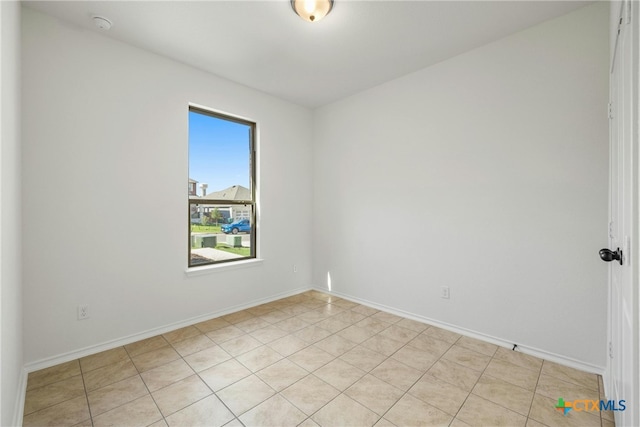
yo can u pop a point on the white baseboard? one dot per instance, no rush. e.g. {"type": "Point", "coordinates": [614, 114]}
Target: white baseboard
{"type": "Point", "coordinates": [76, 354]}
{"type": "Point", "coordinates": [18, 409]}
{"type": "Point", "coordinates": [542, 354]}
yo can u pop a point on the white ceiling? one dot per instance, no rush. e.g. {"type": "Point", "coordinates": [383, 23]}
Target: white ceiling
{"type": "Point", "coordinates": [266, 46]}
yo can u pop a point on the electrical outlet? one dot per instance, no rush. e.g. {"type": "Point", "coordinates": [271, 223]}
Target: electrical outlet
{"type": "Point", "coordinates": [295, 268]}
{"type": "Point", "coordinates": [83, 312]}
{"type": "Point", "coordinates": [444, 292]}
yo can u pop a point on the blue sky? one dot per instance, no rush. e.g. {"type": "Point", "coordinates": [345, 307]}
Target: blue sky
{"type": "Point", "coordinates": [218, 152]}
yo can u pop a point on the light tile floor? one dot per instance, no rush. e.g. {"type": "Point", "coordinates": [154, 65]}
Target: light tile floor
{"type": "Point", "coordinates": [310, 359]}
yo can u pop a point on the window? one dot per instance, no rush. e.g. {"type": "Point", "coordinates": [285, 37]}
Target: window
{"type": "Point", "coordinates": [222, 188]}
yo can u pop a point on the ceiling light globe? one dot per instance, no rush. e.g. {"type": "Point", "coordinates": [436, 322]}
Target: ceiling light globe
{"type": "Point", "coordinates": [312, 10]}
{"type": "Point", "coordinates": [102, 23]}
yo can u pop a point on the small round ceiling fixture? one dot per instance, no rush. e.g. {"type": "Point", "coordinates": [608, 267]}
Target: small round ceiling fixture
{"type": "Point", "coordinates": [102, 23]}
{"type": "Point", "coordinates": [312, 10]}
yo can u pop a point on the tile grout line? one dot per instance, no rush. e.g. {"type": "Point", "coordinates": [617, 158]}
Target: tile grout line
{"type": "Point", "coordinates": [483, 372]}
{"type": "Point", "coordinates": [470, 391]}
{"type": "Point", "coordinates": [534, 389]}
{"type": "Point", "coordinates": [213, 393]}
{"type": "Point", "coordinates": [150, 395]}
{"type": "Point", "coordinates": [59, 402]}
{"type": "Point", "coordinates": [320, 367]}
{"type": "Point", "coordinates": [86, 393]}
{"type": "Point", "coordinates": [391, 357]}
{"type": "Point", "coordinates": [325, 364]}
{"type": "Point", "coordinates": [474, 385]}
{"type": "Point", "coordinates": [292, 333]}
{"type": "Point", "coordinates": [122, 404]}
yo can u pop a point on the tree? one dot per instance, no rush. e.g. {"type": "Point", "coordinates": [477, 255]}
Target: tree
{"type": "Point", "coordinates": [206, 219]}
{"type": "Point", "coordinates": [216, 216]}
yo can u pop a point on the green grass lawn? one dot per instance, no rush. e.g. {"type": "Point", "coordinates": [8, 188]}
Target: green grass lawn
{"type": "Point", "coordinates": [197, 228]}
{"type": "Point", "coordinates": [238, 251]}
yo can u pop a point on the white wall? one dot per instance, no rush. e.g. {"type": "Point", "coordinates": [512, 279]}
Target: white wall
{"type": "Point", "coordinates": [104, 180]}
{"type": "Point", "coordinates": [11, 360]}
{"type": "Point", "coordinates": [486, 173]}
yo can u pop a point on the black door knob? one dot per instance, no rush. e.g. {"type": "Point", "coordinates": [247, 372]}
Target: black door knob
{"type": "Point", "coordinates": [609, 255]}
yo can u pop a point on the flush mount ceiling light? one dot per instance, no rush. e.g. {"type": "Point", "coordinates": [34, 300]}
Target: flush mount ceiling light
{"type": "Point", "coordinates": [312, 10]}
{"type": "Point", "coordinates": [102, 23]}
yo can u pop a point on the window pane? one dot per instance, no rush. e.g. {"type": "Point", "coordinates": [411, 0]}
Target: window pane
{"type": "Point", "coordinates": [219, 158]}
{"type": "Point", "coordinates": [220, 232]}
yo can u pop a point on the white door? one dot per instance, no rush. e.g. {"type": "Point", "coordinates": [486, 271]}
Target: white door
{"type": "Point", "coordinates": [623, 228]}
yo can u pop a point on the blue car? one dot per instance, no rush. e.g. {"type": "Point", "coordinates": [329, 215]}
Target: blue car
{"type": "Point", "coordinates": [238, 226]}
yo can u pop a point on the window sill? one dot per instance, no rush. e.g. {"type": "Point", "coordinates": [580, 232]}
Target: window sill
{"type": "Point", "coordinates": [214, 268]}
